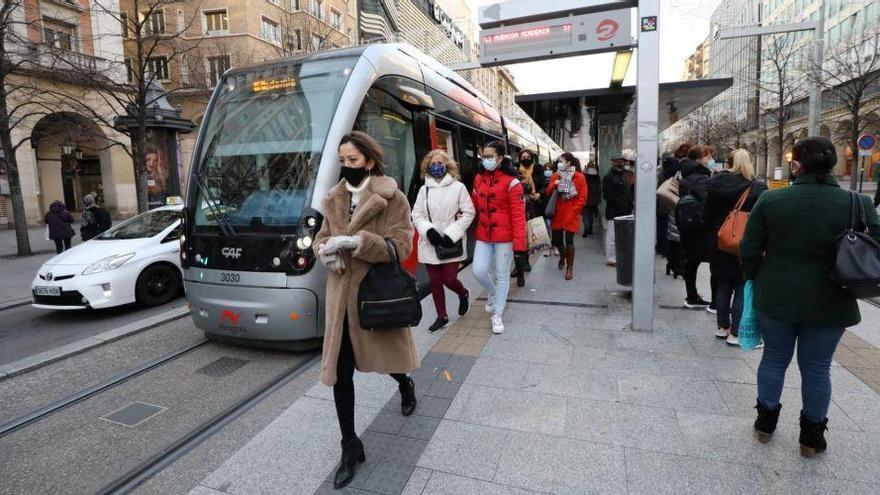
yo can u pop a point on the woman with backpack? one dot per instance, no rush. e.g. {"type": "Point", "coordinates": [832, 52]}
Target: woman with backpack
{"type": "Point", "coordinates": [788, 252]}
{"type": "Point", "coordinates": [724, 192]}
{"type": "Point", "coordinates": [570, 186]}
{"type": "Point", "coordinates": [501, 227]}
{"type": "Point", "coordinates": [442, 213]}
{"type": "Point", "coordinates": [697, 239]}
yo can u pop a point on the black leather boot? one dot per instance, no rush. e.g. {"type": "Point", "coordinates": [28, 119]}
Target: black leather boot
{"type": "Point", "coordinates": [765, 425]}
{"type": "Point", "coordinates": [408, 396]}
{"type": "Point", "coordinates": [812, 437]}
{"type": "Point", "coordinates": [352, 455]}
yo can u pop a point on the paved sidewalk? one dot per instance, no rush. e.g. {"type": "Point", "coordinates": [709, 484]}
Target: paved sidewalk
{"type": "Point", "coordinates": [17, 273]}
{"type": "Point", "coordinates": [568, 400]}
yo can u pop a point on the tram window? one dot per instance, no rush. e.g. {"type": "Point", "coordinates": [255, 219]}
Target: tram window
{"type": "Point", "coordinates": [263, 142]}
{"type": "Point", "coordinates": [384, 118]}
{"type": "Point", "coordinates": [446, 143]}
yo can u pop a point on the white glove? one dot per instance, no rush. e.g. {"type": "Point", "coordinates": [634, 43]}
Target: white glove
{"type": "Point", "coordinates": [332, 262]}
{"type": "Point", "coordinates": [338, 242]}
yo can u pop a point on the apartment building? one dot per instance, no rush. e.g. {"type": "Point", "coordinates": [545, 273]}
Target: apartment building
{"type": "Point", "coordinates": [66, 149]}
{"type": "Point", "coordinates": [697, 64]}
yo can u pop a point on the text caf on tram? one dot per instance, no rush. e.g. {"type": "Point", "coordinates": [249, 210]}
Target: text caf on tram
{"type": "Point", "coordinates": [267, 155]}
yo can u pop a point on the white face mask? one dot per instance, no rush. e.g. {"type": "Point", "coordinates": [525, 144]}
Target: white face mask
{"type": "Point", "coordinates": [592, 171]}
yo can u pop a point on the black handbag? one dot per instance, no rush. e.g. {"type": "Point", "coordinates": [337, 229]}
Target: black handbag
{"type": "Point", "coordinates": [857, 256]}
{"type": "Point", "coordinates": [444, 252]}
{"type": "Point", "coordinates": [388, 296]}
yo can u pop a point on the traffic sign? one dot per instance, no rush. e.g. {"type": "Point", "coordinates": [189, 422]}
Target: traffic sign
{"type": "Point", "coordinates": [866, 141]}
{"type": "Point", "coordinates": [564, 36]}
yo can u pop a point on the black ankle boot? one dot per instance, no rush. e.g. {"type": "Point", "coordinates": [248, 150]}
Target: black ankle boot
{"type": "Point", "coordinates": [812, 437]}
{"type": "Point", "coordinates": [765, 425]}
{"type": "Point", "coordinates": [408, 396]}
{"type": "Point", "coordinates": [352, 455]}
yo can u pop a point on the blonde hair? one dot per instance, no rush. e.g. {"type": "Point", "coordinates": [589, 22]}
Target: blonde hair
{"type": "Point", "coordinates": [742, 164]}
{"type": "Point", "coordinates": [451, 165]}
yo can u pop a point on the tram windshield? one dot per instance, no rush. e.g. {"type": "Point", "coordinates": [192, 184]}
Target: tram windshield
{"type": "Point", "coordinates": [263, 142]}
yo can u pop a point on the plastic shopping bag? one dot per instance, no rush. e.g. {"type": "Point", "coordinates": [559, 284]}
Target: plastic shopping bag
{"type": "Point", "coordinates": [749, 333]}
{"type": "Point", "coordinates": [537, 233]}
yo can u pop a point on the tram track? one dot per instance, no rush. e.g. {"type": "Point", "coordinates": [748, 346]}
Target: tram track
{"type": "Point", "coordinates": [119, 378]}
{"type": "Point", "coordinates": [180, 447]}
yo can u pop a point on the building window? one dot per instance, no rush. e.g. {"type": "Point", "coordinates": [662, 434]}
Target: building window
{"type": "Point", "coordinates": [317, 9]}
{"type": "Point", "coordinates": [159, 67]}
{"type": "Point", "coordinates": [58, 34]}
{"type": "Point", "coordinates": [269, 31]}
{"type": "Point", "coordinates": [336, 20]}
{"type": "Point", "coordinates": [123, 19]}
{"type": "Point", "coordinates": [317, 43]}
{"type": "Point", "coordinates": [216, 67]}
{"type": "Point", "coordinates": [294, 5]}
{"type": "Point", "coordinates": [216, 21]}
{"type": "Point", "coordinates": [296, 43]}
{"type": "Point", "coordinates": [155, 23]}
{"type": "Point", "coordinates": [181, 22]}
{"type": "Point", "coordinates": [129, 71]}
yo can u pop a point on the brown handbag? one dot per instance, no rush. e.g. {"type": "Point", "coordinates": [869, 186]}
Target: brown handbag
{"type": "Point", "coordinates": [731, 233]}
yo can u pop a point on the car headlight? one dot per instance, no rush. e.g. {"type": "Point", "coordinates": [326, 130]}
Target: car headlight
{"type": "Point", "coordinates": [109, 263]}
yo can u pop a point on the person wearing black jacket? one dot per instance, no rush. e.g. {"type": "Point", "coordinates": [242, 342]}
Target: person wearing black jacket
{"type": "Point", "coordinates": [698, 244]}
{"type": "Point", "coordinates": [618, 202]}
{"type": "Point", "coordinates": [723, 192]}
{"type": "Point", "coordinates": [594, 197]}
{"type": "Point", "coordinates": [95, 220]}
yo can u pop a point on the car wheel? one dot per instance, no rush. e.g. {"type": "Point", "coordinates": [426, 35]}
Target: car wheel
{"type": "Point", "coordinates": [157, 285]}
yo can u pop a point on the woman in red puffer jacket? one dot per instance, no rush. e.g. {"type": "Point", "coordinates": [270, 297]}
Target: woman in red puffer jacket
{"type": "Point", "coordinates": [501, 227]}
{"type": "Point", "coordinates": [571, 196]}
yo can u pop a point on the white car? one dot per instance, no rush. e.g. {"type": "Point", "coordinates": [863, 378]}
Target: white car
{"type": "Point", "coordinates": [137, 260]}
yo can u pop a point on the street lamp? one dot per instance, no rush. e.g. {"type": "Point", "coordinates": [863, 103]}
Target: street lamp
{"type": "Point", "coordinates": [78, 153]}
{"type": "Point", "coordinates": [66, 148]}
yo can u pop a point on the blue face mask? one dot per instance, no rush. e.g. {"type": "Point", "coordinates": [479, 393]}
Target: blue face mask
{"type": "Point", "coordinates": [561, 166]}
{"type": "Point", "coordinates": [548, 173]}
{"type": "Point", "coordinates": [490, 164]}
{"type": "Point", "coordinates": [712, 165]}
{"type": "Point", "coordinates": [437, 170]}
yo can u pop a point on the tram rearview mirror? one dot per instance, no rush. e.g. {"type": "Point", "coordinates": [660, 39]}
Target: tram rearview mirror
{"type": "Point", "coordinates": [414, 99]}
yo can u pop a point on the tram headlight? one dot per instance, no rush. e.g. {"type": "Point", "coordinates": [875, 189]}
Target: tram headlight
{"type": "Point", "coordinates": [311, 222]}
{"type": "Point", "coordinates": [304, 242]}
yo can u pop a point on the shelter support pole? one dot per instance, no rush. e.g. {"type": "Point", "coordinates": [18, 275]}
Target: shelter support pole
{"type": "Point", "coordinates": [647, 96]}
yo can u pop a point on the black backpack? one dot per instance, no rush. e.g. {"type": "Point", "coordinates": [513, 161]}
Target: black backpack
{"type": "Point", "coordinates": [103, 219]}
{"type": "Point", "coordinates": [689, 215]}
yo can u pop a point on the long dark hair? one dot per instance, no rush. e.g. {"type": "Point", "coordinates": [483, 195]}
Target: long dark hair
{"type": "Point", "coordinates": [370, 148]}
{"type": "Point", "coordinates": [572, 160]}
{"type": "Point", "coordinates": [506, 165]}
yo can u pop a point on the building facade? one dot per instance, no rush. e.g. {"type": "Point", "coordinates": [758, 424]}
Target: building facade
{"type": "Point", "coordinates": [697, 64]}
{"type": "Point", "coordinates": [66, 146]}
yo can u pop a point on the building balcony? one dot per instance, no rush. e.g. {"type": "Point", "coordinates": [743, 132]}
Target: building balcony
{"type": "Point", "coordinates": [42, 57]}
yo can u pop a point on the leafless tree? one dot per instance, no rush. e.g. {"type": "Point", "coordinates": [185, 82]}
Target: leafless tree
{"type": "Point", "coordinates": [303, 33]}
{"type": "Point", "coordinates": [782, 81]}
{"type": "Point", "coordinates": [850, 77]}
{"type": "Point", "coordinates": [152, 45]}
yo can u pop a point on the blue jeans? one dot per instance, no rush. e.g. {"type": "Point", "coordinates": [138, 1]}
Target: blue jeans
{"type": "Point", "coordinates": [491, 268]}
{"type": "Point", "coordinates": [815, 349]}
{"type": "Point", "coordinates": [729, 303]}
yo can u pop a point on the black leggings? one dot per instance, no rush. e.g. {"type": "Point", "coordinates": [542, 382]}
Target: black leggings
{"type": "Point", "coordinates": [62, 245]}
{"type": "Point", "coordinates": [558, 236]}
{"type": "Point", "coordinates": [343, 391]}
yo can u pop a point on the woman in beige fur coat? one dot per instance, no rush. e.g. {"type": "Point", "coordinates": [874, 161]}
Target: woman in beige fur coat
{"type": "Point", "coordinates": [360, 212]}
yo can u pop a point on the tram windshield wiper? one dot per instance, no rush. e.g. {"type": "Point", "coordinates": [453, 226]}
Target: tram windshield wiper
{"type": "Point", "coordinates": [215, 207]}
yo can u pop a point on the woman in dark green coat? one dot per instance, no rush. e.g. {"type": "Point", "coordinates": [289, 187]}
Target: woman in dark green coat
{"type": "Point", "coordinates": [788, 251]}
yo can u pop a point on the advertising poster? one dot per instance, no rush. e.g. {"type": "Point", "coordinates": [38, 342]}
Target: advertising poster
{"type": "Point", "coordinates": [163, 180]}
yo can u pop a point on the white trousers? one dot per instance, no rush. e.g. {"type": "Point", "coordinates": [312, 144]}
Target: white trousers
{"type": "Point", "coordinates": [610, 253]}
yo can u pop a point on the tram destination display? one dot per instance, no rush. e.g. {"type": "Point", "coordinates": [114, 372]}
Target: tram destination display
{"type": "Point", "coordinates": [580, 34]}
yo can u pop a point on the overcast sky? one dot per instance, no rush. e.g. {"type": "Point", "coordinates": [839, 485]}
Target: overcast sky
{"type": "Point", "coordinates": [683, 25]}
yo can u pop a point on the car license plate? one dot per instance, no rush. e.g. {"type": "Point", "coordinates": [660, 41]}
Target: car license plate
{"type": "Point", "coordinates": [47, 291]}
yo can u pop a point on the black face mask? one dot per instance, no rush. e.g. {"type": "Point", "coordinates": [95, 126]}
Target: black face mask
{"type": "Point", "coordinates": [354, 176]}
{"type": "Point", "coordinates": [527, 162]}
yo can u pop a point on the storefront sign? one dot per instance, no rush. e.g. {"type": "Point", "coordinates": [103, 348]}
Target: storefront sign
{"type": "Point", "coordinates": [439, 16]}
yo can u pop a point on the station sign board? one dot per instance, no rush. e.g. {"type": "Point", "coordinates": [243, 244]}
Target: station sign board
{"type": "Point", "coordinates": [561, 37]}
{"type": "Point", "coordinates": [519, 11]}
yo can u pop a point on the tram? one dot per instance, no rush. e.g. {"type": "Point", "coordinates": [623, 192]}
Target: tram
{"type": "Point", "coordinates": [266, 155]}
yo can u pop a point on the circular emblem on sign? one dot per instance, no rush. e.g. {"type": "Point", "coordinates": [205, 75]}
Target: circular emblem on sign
{"type": "Point", "coordinates": [646, 166]}
{"type": "Point", "coordinates": [49, 276]}
{"type": "Point", "coordinates": [866, 142]}
{"type": "Point", "coordinates": [607, 29]}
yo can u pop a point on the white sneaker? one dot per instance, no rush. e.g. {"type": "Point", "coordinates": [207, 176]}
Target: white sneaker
{"type": "Point", "coordinates": [490, 305]}
{"type": "Point", "coordinates": [732, 340]}
{"type": "Point", "coordinates": [497, 325]}
{"type": "Point", "coordinates": [722, 333]}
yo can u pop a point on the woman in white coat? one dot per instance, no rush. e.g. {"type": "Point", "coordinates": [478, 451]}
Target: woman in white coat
{"type": "Point", "coordinates": [442, 214]}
